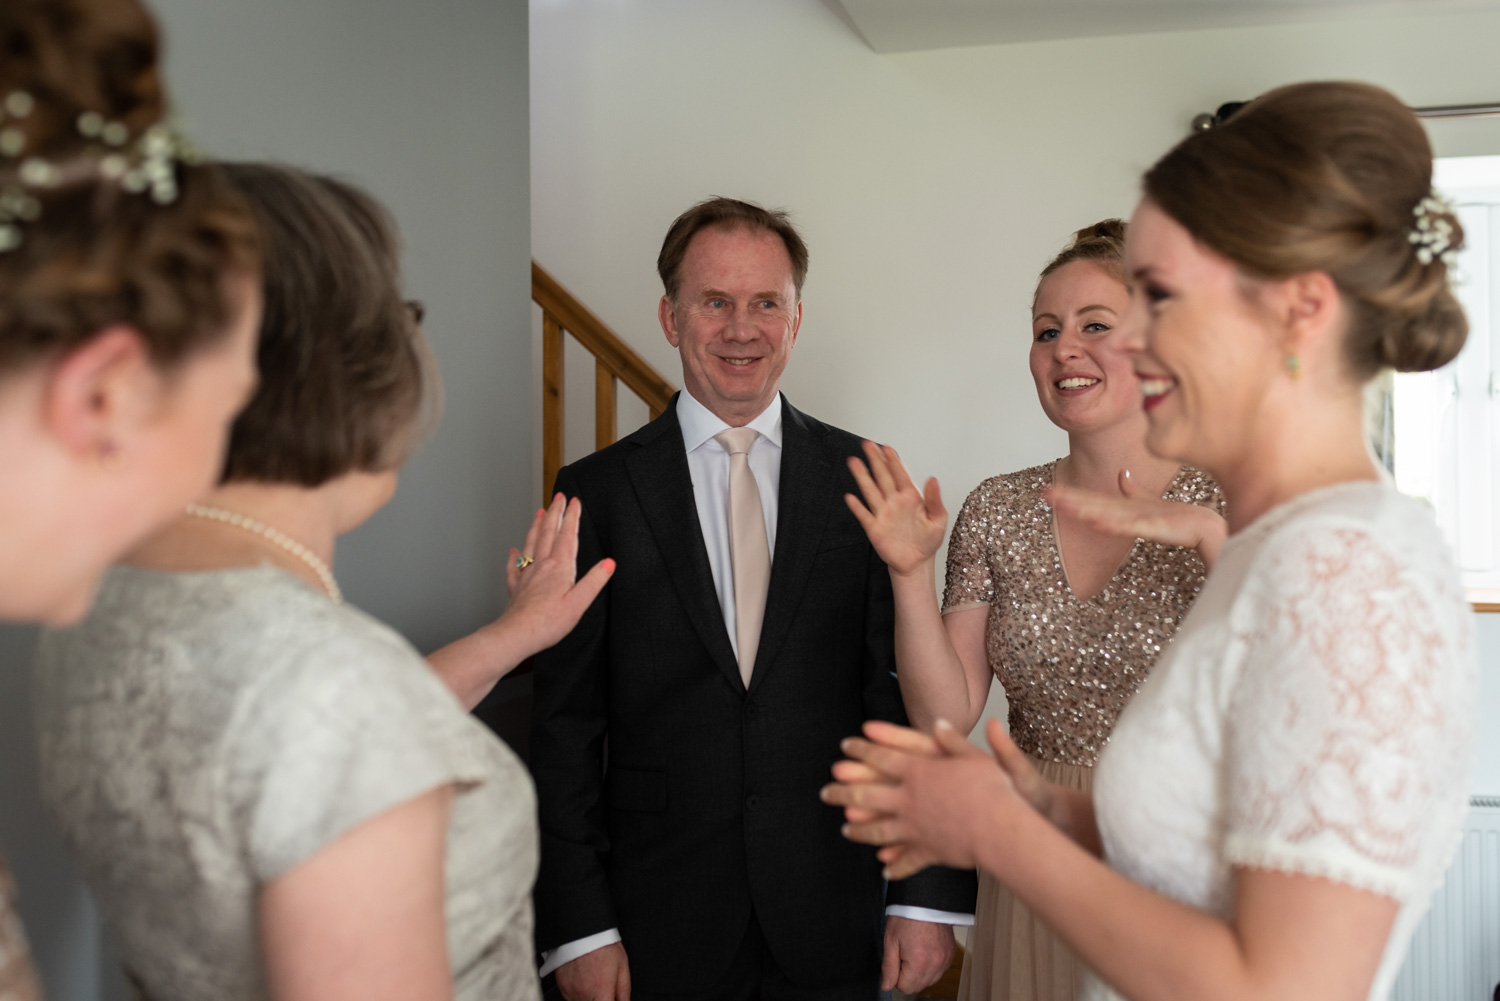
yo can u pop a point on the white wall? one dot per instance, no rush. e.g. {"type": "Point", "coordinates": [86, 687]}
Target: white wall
{"type": "Point", "coordinates": [931, 186]}
{"type": "Point", "coordinates": [425, 104]}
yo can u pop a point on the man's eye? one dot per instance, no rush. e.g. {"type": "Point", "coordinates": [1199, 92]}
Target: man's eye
{"type": "Point", "coordinates": [716, 303]}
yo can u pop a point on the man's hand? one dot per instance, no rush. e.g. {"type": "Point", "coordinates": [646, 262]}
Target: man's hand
{"type": "Point", "coordinates": [601, 975]}
{"type": "Point", "coordinates": [917, 954]}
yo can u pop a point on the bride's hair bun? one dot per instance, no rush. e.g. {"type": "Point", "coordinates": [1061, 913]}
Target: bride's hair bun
{"type": "Point", "coordinates": [73, 56]}
{"type": "Point", "coordinates": [1331, 177]}
{"type": "Point", "coordinates": [102, 220]}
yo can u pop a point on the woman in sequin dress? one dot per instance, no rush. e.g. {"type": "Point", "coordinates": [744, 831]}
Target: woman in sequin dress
{"type": "Point", "coordinates": [1278, 804]}
{"type": "Point", "coordinates": [1067, 615]}
{"type": "Point", "coordinates": [127, 323]}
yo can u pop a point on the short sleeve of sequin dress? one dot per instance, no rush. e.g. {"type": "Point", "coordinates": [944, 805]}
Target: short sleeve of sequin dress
{"type": "Point", "coordinates": [970, 577]}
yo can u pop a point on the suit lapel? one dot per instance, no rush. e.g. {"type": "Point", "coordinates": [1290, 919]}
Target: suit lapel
{"type": "Point", "coordinates": [664, 487]}
{"type": "Point", "coordinates": [808, 487]}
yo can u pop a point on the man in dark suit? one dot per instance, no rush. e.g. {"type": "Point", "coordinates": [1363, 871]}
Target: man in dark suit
{"type": "Point", "coordinates": [681, 733]}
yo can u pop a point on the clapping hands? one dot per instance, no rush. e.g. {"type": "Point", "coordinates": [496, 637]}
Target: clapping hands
{"type": "Point", "coordinates": [905, 525]}
{"type": "Point", "coordinates": [932, 800]}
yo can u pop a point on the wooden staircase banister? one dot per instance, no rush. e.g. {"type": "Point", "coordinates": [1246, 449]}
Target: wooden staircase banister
{"type": "Point", "coordinates": [614, 362]}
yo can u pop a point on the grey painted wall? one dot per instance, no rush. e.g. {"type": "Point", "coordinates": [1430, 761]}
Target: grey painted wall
{"type": "Point", "coordinates": [426, 104]}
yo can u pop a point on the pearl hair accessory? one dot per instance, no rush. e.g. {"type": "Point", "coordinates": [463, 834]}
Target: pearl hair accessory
{"type": "Point", "coordinates": [1433, 233]}
{"type": "Point", "coordinates": [276, 538]}
{"type": "Point", "coordinates": [146, 165]}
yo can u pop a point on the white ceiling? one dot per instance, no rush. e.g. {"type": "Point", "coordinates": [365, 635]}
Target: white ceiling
{"type": "Point", "coordinates": [908, 25]}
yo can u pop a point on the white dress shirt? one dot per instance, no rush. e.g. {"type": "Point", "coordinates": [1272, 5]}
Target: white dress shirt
{"type": "Point", "coordinates": [708, 467]}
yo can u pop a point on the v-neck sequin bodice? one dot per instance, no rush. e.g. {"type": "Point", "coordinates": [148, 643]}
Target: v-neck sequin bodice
{"type": "Point", "coordinates": [1068, 666]}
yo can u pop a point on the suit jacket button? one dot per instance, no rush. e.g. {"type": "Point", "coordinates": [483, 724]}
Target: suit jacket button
{"type": "Point", "coordinates": [751, 709]}
{"type": "Point", "coordinates": [752, 802]}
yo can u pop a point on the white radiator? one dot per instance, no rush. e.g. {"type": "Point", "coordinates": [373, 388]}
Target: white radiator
{"type": "Point", "coordinates": [1455, 953]}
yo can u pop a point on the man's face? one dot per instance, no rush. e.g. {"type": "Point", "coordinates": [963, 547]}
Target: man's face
{"type": "Point", "coordinates": [734, 320]}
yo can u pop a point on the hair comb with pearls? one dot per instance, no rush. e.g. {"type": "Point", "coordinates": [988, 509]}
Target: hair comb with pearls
{"type": "Point", "coordinates": [143, 164]}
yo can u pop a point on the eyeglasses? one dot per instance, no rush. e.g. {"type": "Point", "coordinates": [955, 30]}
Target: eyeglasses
{"type": "Point", "coordinates": [417, 310]}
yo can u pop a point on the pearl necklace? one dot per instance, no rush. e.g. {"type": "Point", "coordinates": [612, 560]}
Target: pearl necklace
{"type": "Point", "coordinates": [276, 538]}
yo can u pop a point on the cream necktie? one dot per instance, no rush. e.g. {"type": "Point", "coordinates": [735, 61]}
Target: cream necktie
{"type": "Point", "coordinates": [749, 552]}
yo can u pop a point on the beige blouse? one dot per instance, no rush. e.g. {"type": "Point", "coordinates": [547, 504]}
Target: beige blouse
{"type": "Point", "coordinates": [203, 733]}
{"type": "Point", "coordinates": [1068, 666]}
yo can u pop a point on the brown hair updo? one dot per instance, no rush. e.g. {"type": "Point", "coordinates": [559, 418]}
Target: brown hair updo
{"type": "Point", "coordinates": [1325, 177]}
{"type": "Point", "coordinates": [344, 371]}
{"type": "Point", "coordinates": [92, 254]}
{"type": "Point", "coordinates": [1103, 244]}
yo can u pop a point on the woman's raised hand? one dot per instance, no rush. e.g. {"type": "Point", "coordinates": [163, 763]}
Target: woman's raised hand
{"type": "Point", "coordinates": [1137, 516]}
{"type": "Point", "coordinates": [905, 525]}
{"type": "Point", "coordinates": [546, 597]}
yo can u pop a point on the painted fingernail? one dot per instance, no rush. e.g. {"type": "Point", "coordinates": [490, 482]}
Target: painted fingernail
{"type": "Point", "coordinates": [845, 829]}
{"type": "Point", "coordinates": [847, 745]}
{"type": "Point", "coordinates": [942, 724]}
{"type": "Point", "coordinates": [825, 794]}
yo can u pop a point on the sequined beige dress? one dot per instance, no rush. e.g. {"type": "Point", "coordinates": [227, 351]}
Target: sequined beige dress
{"type": "Point", "coordinates": [1068, 668]}
{"type": "Point", "coordinates": [17, 978]}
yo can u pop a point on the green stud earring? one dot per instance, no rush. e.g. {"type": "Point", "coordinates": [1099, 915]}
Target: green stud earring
{"type": "Point", "coordinates": [1294, 366]}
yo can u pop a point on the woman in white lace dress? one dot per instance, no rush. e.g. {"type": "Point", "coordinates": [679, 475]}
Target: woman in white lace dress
{"type": "Point", "coordinates": [1279, 802]}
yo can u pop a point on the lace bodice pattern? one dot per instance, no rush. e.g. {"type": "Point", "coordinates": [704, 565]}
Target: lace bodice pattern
{"type": "Point", "coordinates": [1314, 715]}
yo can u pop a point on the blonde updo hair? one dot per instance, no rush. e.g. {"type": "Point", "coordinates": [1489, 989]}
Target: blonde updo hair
{"type": "Point", "coordinates": [1325, 177]}
{"type": "Point", "coordinates": [1103, 244]}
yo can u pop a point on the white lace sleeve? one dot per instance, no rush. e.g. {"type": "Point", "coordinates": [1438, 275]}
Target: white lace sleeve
{"type": "Point", "coordinates": [1348, 735]}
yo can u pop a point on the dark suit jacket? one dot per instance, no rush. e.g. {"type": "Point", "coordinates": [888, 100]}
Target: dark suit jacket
{"type": "Point", "coordinates": [708, 804]}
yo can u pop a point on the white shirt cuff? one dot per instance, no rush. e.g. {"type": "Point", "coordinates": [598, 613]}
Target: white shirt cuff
{"type": "Point", "coordinates": [569, 951]}
{"type": "Point", "coordinates": [928, 914]}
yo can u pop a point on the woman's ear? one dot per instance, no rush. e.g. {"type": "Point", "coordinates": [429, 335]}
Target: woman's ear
{"type": "Point", "coordinates": [99, 393]}
{"type": "Point", "coordinates": [1313, 313]}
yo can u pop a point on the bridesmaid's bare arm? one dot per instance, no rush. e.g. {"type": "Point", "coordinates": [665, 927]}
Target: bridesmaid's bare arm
{"type": "Point", "coordinates": [940, 660]}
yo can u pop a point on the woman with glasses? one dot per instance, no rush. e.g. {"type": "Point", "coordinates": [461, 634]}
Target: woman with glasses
{"type": "Point", "coordinates": [272, 795]}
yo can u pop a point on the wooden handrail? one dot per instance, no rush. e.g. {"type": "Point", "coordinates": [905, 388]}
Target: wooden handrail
{"type": "Point", "coordinates": [614, 362]}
